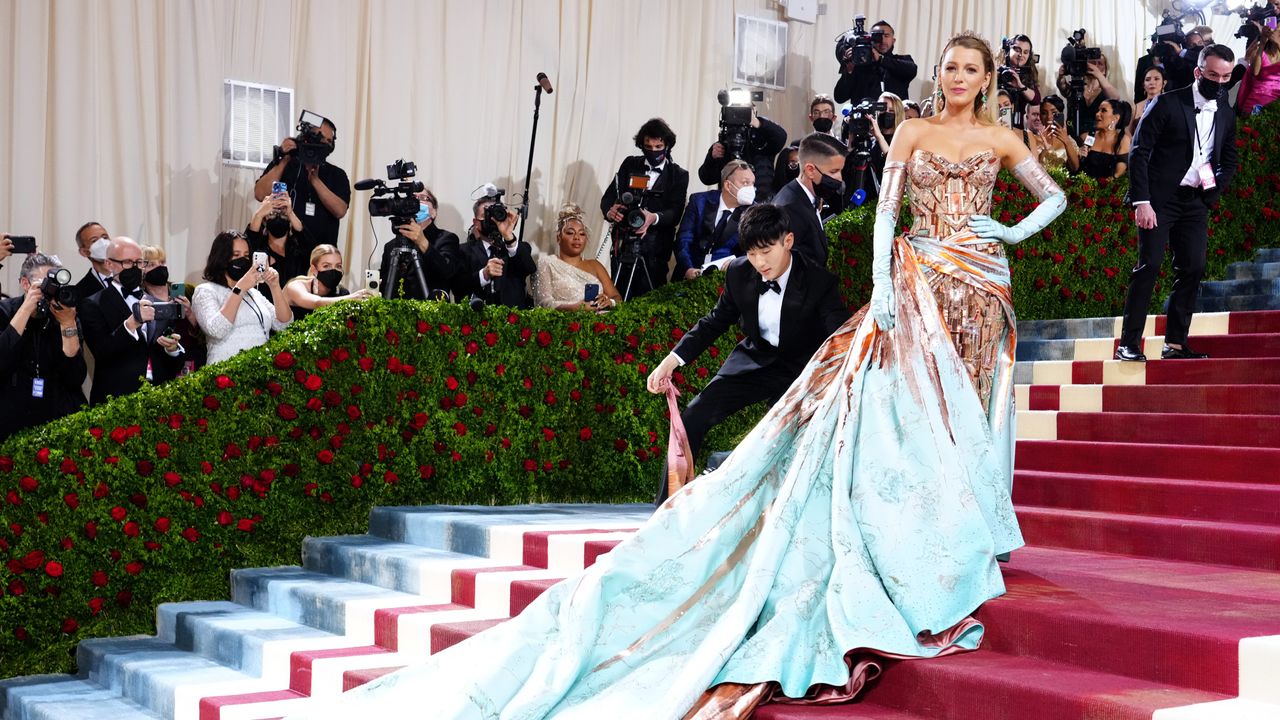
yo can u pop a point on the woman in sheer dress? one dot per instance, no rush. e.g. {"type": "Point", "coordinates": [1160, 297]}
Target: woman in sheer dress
{"type": "Point", "coordinates": [859, 520]}
{"type": "Point", "coordinates": [562, 279]}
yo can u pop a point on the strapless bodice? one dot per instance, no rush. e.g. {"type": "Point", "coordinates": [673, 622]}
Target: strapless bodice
{"type": "Point", "coordinates": [943, 194]}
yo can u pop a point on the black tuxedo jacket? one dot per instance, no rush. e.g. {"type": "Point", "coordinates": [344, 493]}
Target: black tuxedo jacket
{"type": "Point", "coordinates": [811, 240]}
{"type": "Point", "coordinates": [441, 263]}
{"type": "Point", "coordinates": [510, 289]}
{"type": "Point", "coordinates": [120, 361]}
{"type": "Point", "coordinates": [811, 310]}
{"type": "Point", "coordinates": [87, 286]}
{"type": "Point", "coordinates": [1164, 144]}
{"type": "Point", "coordinates": [673, 183]}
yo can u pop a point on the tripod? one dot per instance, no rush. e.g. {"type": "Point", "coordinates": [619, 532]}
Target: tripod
{"type": "Point", "coordinates": [407, 255]}
{"type": "Point", "coordinates": [629, 258]}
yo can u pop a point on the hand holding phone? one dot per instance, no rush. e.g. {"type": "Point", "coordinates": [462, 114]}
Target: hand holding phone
{"type": "Point", "coordinates": [178, 289]}
{"type": "Point", "coordinates": [23, 244]}
{"type": "Point", "coordinates": [591, 292]}
{"type": "Point", "coordinates": [260, 261]}
{"type": "Point", "coordinates": [279, 188]}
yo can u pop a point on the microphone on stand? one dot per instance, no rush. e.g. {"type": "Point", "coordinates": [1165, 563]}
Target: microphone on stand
{"type": "Point", "coordinates": [545, 83]}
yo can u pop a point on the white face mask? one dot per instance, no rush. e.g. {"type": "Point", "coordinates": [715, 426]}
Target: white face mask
{"type": "Point", "coordinates": [746, 195]}
{"type": "Point", "coordinates": [98, 250]}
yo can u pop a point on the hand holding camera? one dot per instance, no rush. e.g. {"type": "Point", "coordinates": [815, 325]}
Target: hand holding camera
{"type": "Point", "coordinates": [615, 212]}
{"type": "Point", "coordinates": [493, 269]}
{"type": "Point", "coordinates": [413, 232]}
{"type": "Point", "coordinates": [144, 311]}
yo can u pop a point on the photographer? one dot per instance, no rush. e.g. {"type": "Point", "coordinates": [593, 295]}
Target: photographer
{"type": "Point", "coordinates": [91, 241]}
{"type": "Point", "coordinates": [496, 265]}
{"type": "Point", "coordinates": [127, 345]}
{"type": "Point", "coordinates": [439, 251]}
{"type": "Point", "coordinates": [765, 139]}
{"type": "Point", "coordinates": [886, 72]}
{"type": "Point", "coordinates": [41, 362]}
{"type": "Point", "coordinates": [1168, 54]}
{"type": "Point", "coordinates": [321, 190]}
{"type": "Point", "coordinates": [1096, 88]}
{"type": "Point", "coordinates": [277, 231]}
{"type": "Point", "coordinates": [1260, 84]}
{"type": "Point", "coordinates": [1019, 76]}
{"type": "Point", "coordinates": [661, 203]}
{"type": "Point", "coordinates": [157, 288]}
{"type": "Point", "coordinates": [709, 230]}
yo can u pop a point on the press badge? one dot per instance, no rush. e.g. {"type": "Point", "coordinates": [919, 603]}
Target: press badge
{"type": "Point", "coordinates": [37, 388]}
{"type": "Point", "coordinates": [309, 209]}
{"type": "Point", "coordinates": [1207, 181]}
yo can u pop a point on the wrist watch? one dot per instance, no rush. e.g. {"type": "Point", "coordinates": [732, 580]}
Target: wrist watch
{"type": "Point", "coordinates": [235, 290]}
{"type": "Point", "coordinates": [70, 332]}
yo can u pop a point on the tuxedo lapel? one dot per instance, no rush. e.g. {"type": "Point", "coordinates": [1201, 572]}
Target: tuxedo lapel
{"type": "Point", "coordinates": [749, 301]}
{"type": "Point", "coordinates": [1188, 105]}
{"type": "Point", "coordinates": [792, 301]}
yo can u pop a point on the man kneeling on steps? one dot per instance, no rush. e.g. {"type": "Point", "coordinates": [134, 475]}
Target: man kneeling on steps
{"type": "Point", "coordinates": [783, 303]}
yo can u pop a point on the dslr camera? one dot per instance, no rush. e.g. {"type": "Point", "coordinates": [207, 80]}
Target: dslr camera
{"type": "Point", "coordinates": [632, 200]}
{"type": "Point", "coordinates": [1256, 14]}
{"type": "Point", "coordinates": [736, 108]}
{"type": "Point", "coordinates": [860, 118]}
{"type": "Point", "coordinates": [1167, 31]}
{"type": "Point", "coordinates": [396, 202]}
{"type": "Point", "coordinates": [56, 288]}
{"type": "Point", "coordinates": [854, 46]}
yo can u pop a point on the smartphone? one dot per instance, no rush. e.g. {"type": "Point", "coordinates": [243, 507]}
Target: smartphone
{"type": "Point", "coordinates": [23, 244]}
{"type": "Point", "coordinates": [373, 280]}
{"type": "Point", "coordinates": [591, 292]}
{"type": "Point", "coordinates": [260, 261]}
{"type": "Point", "coordinates": [1270, 22]}
{"type": "Point", "coordinates": [279, 188]}
{"type": "Point", "coordinates": [1006, 117]}
{"type": "Point", "coordinates": [164, 311]}
{"type": "Point", "coordinates": [1059, 119]}
{"type": "Point", "coordinates": [178, 289]}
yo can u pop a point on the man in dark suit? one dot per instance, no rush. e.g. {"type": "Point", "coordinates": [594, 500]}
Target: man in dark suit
{"type": "Point", "coordinates": [661, 206]}
{"type": "Point", "coordinates": [785, 305]}
{"type": "Point", "coordinates": [821, 164]}
{"type": "Point", "coordinates": [495, 264]}
{"type": "Point", "coordinates": [886, 72]}
{"type": "Point", "coordinates": [1194, 131]}
{"type": "Point", "coordinates": [91, 241]}
{"type": "Point", "coordinates": [765, 139]}
{"type": "Point", "coordinates": [126, 349]}
{"type": "Point", "coordinates": [709, 230]}
{"type": "Point", "coordinates": [439, 253]}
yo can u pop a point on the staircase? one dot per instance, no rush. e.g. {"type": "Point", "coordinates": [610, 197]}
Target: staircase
{"type": "Point", "coordinates": [1249, 286]}
{"type": "Point", "coordinates": [1149, 496]}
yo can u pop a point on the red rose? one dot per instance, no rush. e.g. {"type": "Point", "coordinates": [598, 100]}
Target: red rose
{"type": "Point", "coordinates": [244, 525]}
{"type": "Point", "coordinates": [393, 337]}
{"type": "Point", "coordinates": [118, 513]}
{"type": "Point", "coordinates": [315, 405]}
{"type": "Point", "coordinates": [119, 435]}
{"type": "Point", "coordinates": [426, 471]}
{"type": "Point", "coordinates": [620, 445]}
{"type": "Point", "coordinates": [529, 465]}
{"type": "Point", "coordinates": [191, 534]}
{"type": "Point", "coordinates": [211, 402]}
{"type": "Point", "coordinates": [544, 338]}
{"type": "Point", "coordinates": [70, 625]}
{"type": "Point", "coordinates": [549, 398]}
{"type": "Point", "coordinates": [423, 327]}
{"type": "Point", "coordinates": [491, 339]}
{"type": "Point", "coordinates": [131, 529]}
{"type": "Point", "coordinates": [548, 434]}
{"type": "Point", "coordinates": [144, 467]}
{"type": "Point", "coordinates": [286, 411]}
{"type": "Point", "coordinates": [313, 383]}
{"type": "Point", "coordinates": [323, 364]}
{"type": "Point", "coordinates": [460, 428]}
{"type": "Point", "coordinates": [325, 457]}
{"type": "Point", "coordinates": [584, 434]}
{"type": "Point", "coordinates": [42, 456]}
{"type": "Point", "coordinates": [223, 382]}
{"type": "Point", "coordinates": [390, 478]}
{"type": "Point", "coordinates": [28, 483]}
{"type": "Point", "coordinates": [284, 360]}
{"type": "Point", "coordinates": [133, 568]}
{"type": "Point", "coordinates": [99, 579]}
{"type": "Point", "coordinates": [162, 449]}
{"type": "Point", "coordinates": [162, 524]}
{"type": "Point", "coordinates": [53, 568]}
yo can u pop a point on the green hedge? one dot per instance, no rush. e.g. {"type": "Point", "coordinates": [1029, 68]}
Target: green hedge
{"type": "Point", "coordinates": [156, 496]}
{"type": "Point", "coordinates": [1079, 266]}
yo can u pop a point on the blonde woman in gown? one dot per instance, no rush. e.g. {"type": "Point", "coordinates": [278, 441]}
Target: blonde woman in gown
{"type": "Point", "coordinates": [562, 279]}
{"type": "Point", "coordinates": [859, 520]}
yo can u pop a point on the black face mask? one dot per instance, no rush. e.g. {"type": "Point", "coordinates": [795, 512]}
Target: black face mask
{"type": "Point", "coordinates": [886, 120]}
{"type": "Point", "coordinates": [654, 157]}
{"type": "Point", "coordinates": [829, 188]}
{"type": "Point", "coordinates": [330, 278]}
{"type": "Point", "coordinates": [823, 125]}
{"type": "Point", "coordinates": [277, 226]}
{"type": "Point", "coordinates": [1210, 89]}
{"type": "Point", "coordinates": [130, 278]}
{"type": "Point", "coordinates": [238, 268]}
{"type": "Point", "coordinates": [157, 276]}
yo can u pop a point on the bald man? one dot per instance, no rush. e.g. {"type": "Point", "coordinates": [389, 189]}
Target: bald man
{"type": "Point", "coordinates": [127, 351]}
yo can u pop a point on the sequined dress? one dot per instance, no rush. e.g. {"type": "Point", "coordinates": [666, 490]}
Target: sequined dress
{"type": "Point", "coordinates": [859, 520]}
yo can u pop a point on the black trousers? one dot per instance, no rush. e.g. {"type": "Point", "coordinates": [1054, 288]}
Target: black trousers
{"type": "Point", "coordinates": [724, 396]}
{"type": "Point", "coordinates": [1182, 225]}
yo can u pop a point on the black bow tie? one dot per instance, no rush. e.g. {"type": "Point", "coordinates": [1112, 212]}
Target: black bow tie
{"type": "Point", "coordinates": [136, 294]}
{"type": "Point", "coordinates": [655, 170]}
{"type": "Point", "coordinates": [767, 285]}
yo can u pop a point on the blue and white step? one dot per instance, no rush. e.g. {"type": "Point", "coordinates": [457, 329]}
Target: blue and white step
{"type": "Point", "coordinates": [61, 697]}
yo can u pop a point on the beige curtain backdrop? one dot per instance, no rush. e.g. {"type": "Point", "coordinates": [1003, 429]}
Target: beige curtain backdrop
{"type": "Point", "coordinates": [114, 107]}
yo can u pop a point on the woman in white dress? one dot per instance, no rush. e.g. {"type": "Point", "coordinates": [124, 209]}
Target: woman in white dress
{"type": "Point", "coordinates": [229, 308]}
{"type": "Point", "coordinates": [562, 279]}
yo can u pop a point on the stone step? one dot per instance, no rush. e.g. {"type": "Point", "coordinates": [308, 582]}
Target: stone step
{"type": "Point", "coordinates": [1231, 288]}
{"type": "Point", "coordinates": [62, 697]}
{"type": "Point", "coordinates": [1238, 303]}
{"type": "Point", "coordinates": [1253, 271]}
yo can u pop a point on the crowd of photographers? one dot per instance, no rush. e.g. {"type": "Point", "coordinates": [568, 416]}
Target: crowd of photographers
{"type": "Point", "coordinates": [124, 323]}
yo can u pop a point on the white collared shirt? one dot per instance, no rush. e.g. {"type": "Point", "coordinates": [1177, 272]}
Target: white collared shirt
{"type": "Point", "coordinates": [129, 300]}
{"type": "Point", "coordinates": [1202, 149]}
{"type": "Point", "coordinates": [720, 211]}
{"type": "Point", "coordinates": [488, 248]}
{"type": "Point", "coordinates": [770, 308]}
{"type": "Point", "coordinates": [654, 172]}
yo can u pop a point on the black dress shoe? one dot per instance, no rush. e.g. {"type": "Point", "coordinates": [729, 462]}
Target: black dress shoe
{"type": "Point", "coordinates": [1182, 353]}
{"type": "Point", "coordinates": [1129, 354]}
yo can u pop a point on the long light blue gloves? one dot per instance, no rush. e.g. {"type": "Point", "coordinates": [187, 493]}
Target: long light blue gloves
{"type": "Point", "coordinates": [883, 307]}
{"type": "Point", "coordinates": [1052, 202]}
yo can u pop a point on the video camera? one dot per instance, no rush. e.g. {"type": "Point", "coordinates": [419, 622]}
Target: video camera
{"type": "Point", "coordinates": [1076, 55]}
{"type": "Point", "coordinates": [1169, 30]}
{"type": "Point", "coordinates": [1256, 14]}
{"type": "Point", "coordinates": [736, 109]}
{"type": "Point", "coordinates": [1006, 74]}
{"type": "Point", "coordinates": [854, 46]}
{"type": "Point", "coordinates": [57, 288]}
{"type": "Point", "coordinates": [312, 148]}
{"type": "Point", "coordinates": [860, 118]}
{"type": "Point", "coordinates": [396, 202]}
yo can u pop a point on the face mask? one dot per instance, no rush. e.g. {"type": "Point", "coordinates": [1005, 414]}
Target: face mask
{"type": "Point", "coordinates": [886, 120]}
{"type": "Point", "coordinates": [98, 250]}
{"type": "Point", "coordinates": [277, 226]}
{"type": "Point", "coordinates": [237, 268]}
{"type": "Point", "coordinates": [424, 213]}
{"type": "Point", "coordinates": [654, 157]}
{"type": "Point", "coordinates": [829, 188]}
{"type": "Point", "coordinates": [130, 278]}
{"type": "Point", "coordinates": [330, 278]}
{"type": "Point", "coordinates": [746, 195]}
{"type": "Point", "coordinates": [1209, 88]}
{"type": "Point", "coordinates": [823, 125]}
{"type": "Point", "coordinates": [157, 276]}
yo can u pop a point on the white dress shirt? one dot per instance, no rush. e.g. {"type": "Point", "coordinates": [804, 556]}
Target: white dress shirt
{"type": "Point", "coordinates": [129, 300]}
{"type": "Point", "coordinates": [1202, 149]}
{"type": "Point", "coordinates": [770, 308]}
{"type": "Point", "coordinates": [489, 245]}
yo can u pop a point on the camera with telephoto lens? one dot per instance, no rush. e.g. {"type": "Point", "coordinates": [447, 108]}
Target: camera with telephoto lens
{"type": "Point", "coordinates": [397, 202]}
{"type": "Point", "coordinates": [736, 109]}
{"type": "Point", "coordinates": [855, 46]}
{"type": "Point", "coordinates": [56, 288]}
{"type": "Point", "coordinates": [1169, 30]}
{"type": "Point", "coordinates": [1256, 14]}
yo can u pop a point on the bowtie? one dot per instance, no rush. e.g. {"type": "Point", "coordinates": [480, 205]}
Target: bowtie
{"type": "Point", "coordinates": [655, 170]}
{"type": "Point", "coordinates": [767, 285]}
{"type": "Point", "coordinates": [136, 294]}
{"type": "Point", "coordinates": [1209, 106]}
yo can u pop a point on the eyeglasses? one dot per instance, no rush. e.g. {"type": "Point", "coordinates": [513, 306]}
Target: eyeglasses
{"type": "Point", "coordinates": [142, 264]}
